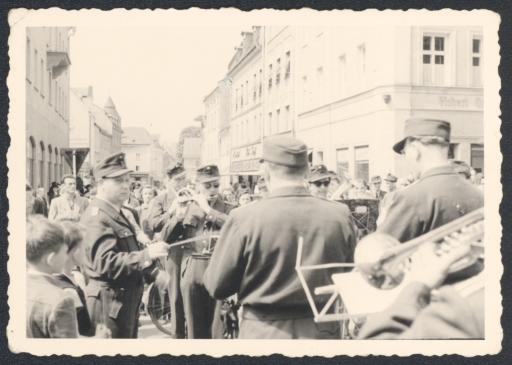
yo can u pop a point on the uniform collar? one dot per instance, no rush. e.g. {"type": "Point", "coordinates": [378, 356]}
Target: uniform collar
{"type": "Point", "coordinates": [294, 190]}
{"type": "Point", "coordinates": [440, 170]}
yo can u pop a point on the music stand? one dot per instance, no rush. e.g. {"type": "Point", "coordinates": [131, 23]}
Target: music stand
{"type": "Point", "coordinates": [365, 213]}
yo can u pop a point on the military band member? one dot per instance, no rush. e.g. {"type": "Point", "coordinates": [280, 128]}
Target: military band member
{"type": "Point", "coordinates": [256, 254]}
{"type": "Point", "coordinates": [319, 181]}
{"type": "Point", "coordinates": [162, 220]}
{"type": "Point", "coordinates": [439, 196]}
{"type": "Point", "coordinates": [116, 264]}
{"type": "Point", "coordinates": [206, 215]}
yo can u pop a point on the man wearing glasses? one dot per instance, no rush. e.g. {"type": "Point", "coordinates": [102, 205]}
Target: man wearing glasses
{"type": "Point", "coordinates": [439, 196]}
{"type": "Point", "coordinates": [319, 181]}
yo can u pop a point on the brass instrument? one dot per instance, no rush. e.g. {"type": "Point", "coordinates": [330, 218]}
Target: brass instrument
{"type": "Point", "coordinates": [383, 260]}
{"type": "Point", "coordinates": [185, 196]}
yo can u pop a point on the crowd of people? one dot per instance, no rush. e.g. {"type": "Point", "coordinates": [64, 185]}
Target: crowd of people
{"type": "Point", "coordinates": [91, 251]}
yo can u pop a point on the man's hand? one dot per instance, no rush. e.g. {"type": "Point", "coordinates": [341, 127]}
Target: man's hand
{"type": "Point", "coordinates": [202, 202]}
{"type": "Point", "coordinates": [430, 265]}
{"type": "Point", "coordinates": [143, 238]}
{"type": "Point", "coordinates": [162, 280]}
{"type": "Point", "coordinates": [102, 331]}
{"type": "Point", "coordinates": [158, 249]}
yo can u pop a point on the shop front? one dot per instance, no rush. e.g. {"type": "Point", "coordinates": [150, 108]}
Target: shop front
{"type": "Point", "coordinates": [245, 164]}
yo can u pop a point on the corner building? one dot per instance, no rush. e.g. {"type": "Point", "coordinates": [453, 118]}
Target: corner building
{"type": "Point", "coordinates": [357, 86]}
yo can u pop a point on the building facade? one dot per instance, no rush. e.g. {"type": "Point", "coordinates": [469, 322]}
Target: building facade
{"type": "Point", "coordinates": [215, 131]}
{"type": "Point", "coordinates": [47, 103]}
{"type": "Point", "coordinates": [92, 128]}
{"type": "Point", "coordinates": [246, 73]}
{"type": "Point", "coordinates": [359, 85]}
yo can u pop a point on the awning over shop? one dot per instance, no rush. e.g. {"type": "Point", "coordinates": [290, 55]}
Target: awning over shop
{"type": "Point", "coordinates": [58, 62]}
{"type": "Point", "coordinates": [75, 157]}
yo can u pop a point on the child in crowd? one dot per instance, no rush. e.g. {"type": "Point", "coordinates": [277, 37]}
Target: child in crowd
{"type": "Point", "coordinates": [50, 310]}
{"type": "Point", "coordinates": [71, 280]}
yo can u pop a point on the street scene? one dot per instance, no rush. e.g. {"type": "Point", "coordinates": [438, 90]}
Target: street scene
{"type": "Point", "coordinates": [255, 182]}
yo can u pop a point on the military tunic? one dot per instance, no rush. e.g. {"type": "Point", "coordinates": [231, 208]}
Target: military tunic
{"type": "Point", "coordinates": [116, 266]}
{"type": "Point", "coordinates": [438, 197]}
{"type": "Point", "coordinates": [161, 222]}
{"type": "Point", "coordinates": [256, 257]}
{"type": "Point", "coordinates": [202, 312]}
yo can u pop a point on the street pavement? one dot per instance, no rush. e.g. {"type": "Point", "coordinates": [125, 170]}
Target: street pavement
{"type": "Point", "coordinates": [148, 330]}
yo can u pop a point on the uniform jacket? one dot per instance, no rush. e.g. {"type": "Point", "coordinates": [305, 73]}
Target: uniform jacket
{"type": "Point", "coordinates": [196, 222]}
{"type": "Point", "coordinates": [113, 254]}
{"type": "Point", "coordinates": [115, 265]}
{"type": "Point", "coordinates": [439, 197]}
{"type": "Point", "coordinates": [413, 316]}
{"type": "Point", "coordinates": [50, 310]}
{"type": "Point", "coordinates": [60, 208]}
{"type": "Point", "coordinates": [158, 214]}
{"type": "Point", "coordinates": [257, 251]}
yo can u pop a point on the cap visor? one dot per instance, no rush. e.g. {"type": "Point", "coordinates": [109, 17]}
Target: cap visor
{"type": "Point", "coordinates": [320, 177]}
{"type": "Point", "coordinates": [208, 179]}
{"type": "Point", "coordinates": [119, 173]}
{"type": "Point", "coordinates": [399, 147]}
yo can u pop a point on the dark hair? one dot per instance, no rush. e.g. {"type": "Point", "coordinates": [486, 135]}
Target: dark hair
{"type": "Point", "coordinates": [68, 176]}
{"type": "Point", "coordinates": [73, 233]}
{"type": "Point", "coordinates": [43, 237]}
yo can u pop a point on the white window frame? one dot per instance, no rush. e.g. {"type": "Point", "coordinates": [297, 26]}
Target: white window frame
{"type": "Point", "coordinates": [450, 58]}
{"type": "Point", "coordinates": [471, 81]}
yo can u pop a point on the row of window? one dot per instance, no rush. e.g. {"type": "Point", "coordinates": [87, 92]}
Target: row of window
{"type": "Point", "coordinates": [278, 121]}
{"type": "Point", "coordinates": [361, 159]}
{"type": "Point", "coordinates": [45, 164]}
{"type": "Point", "coordinates": [43, 81]}
{"type": "Point", "coordinates": [247, 94]}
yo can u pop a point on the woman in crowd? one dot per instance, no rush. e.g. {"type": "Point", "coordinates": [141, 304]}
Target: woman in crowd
{"type": "Point", "coordinates": [148, 193]}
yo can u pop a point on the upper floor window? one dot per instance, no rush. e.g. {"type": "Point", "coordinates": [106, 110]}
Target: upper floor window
{"type": "Point", "coordinates": [36, 61]}
{"type": "Point", "coordinates": [361, 51]}
{"type": "Point", "coordinates": [476, 60]}
{"type": "Point", "coordinates": [270, 77]}
{"type": "Point", "coordinates": [278, 71]}
{"type": "Point", "coordinates": [27, 56]}
{"type": "Point", "coordinates": [288, 65]}
{"type": "Point", "coordinates": [260, 86]}
{"type": "Point", "coordinates": [434, 59]}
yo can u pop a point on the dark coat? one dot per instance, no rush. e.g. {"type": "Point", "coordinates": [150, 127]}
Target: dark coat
{"type": "Point", "coordinates": [158, 214]}
{"type": "Point", "coordinates": [438, 197]}
{"type": "Point", "coordinates": [50, 310]}
{"type": "Point", "coordinates": [414, 316]}
{"type": "Point", "coordinates": [116, 265]}
{"type": "Point", "coordinates": [257, 251]}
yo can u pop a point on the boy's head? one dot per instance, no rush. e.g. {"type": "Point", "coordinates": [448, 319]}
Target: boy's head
{"type": "Point", "coordinates": [46, 248]}
{"type": "Point", "coordinates": [73, 238]}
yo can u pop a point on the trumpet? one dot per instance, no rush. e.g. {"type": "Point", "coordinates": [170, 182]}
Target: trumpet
{"type": "Point", "coordinates": [185, 195]}
{"type": "Point", "coordinates": [383, 260]}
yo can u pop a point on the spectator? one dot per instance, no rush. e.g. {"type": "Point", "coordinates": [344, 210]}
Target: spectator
{"type": "Point", "coordinates": [244, 199]}
{"type": "Point", "coordinates": [50, 310]}
{"type": "Point", "coordinates": [148, 193]}
{"type": "Point", "coordinates": [70, 205]}
{"type": "Point", "coordinates": [53, 192]}
{"type": "Point", "coordinates": [41, 195]}
{"type": "Point", "coordinates": [71, 277]}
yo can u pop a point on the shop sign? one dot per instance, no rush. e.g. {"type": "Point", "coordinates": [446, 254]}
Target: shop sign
{"type": "Point", "coordinates": [246, 158]}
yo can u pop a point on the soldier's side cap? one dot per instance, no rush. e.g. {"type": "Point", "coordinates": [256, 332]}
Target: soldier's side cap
{"type": "Point", "coordinates": [207, 173]}
{"type": "Point", "coordinates": [175, 170]}
{"type": "Point", "coordinates": [391, 178]}
{"type": "Point", "coordinates": [287, 151]}
{"type": "Point", "coordinates": [112, 166]}
{"type": "Point", "coordinates": [319, 172]}
{"type": "Point", "coordinates": [421, 127]}
{"type": "Point", "coordinates": [376, 179]}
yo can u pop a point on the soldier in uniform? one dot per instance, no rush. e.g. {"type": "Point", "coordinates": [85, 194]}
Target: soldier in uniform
{"type": "Point", "coordinates": [116, 264]}
{"type": "Point", "coordinates": [162, 220]}
{"type": "Point", "coordinates": [256, 254]}
{"type": "Point", "coordinates": [206, 215]}
{"type": "Point", "coordinates": [439, 196]}
{"type": "Point", "coordinates": [319, 181]}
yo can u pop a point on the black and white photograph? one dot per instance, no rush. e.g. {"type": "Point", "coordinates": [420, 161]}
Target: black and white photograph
{"type": "Point", "coordinates": [224, 182]}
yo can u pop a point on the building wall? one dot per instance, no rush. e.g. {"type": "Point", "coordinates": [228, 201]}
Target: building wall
{"type": "Point", "coordinates": [358, 86]}
{"type": "Point", "coordinates": [47, 106]}
{"type": "Point", "coordinates": [138, 157]}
